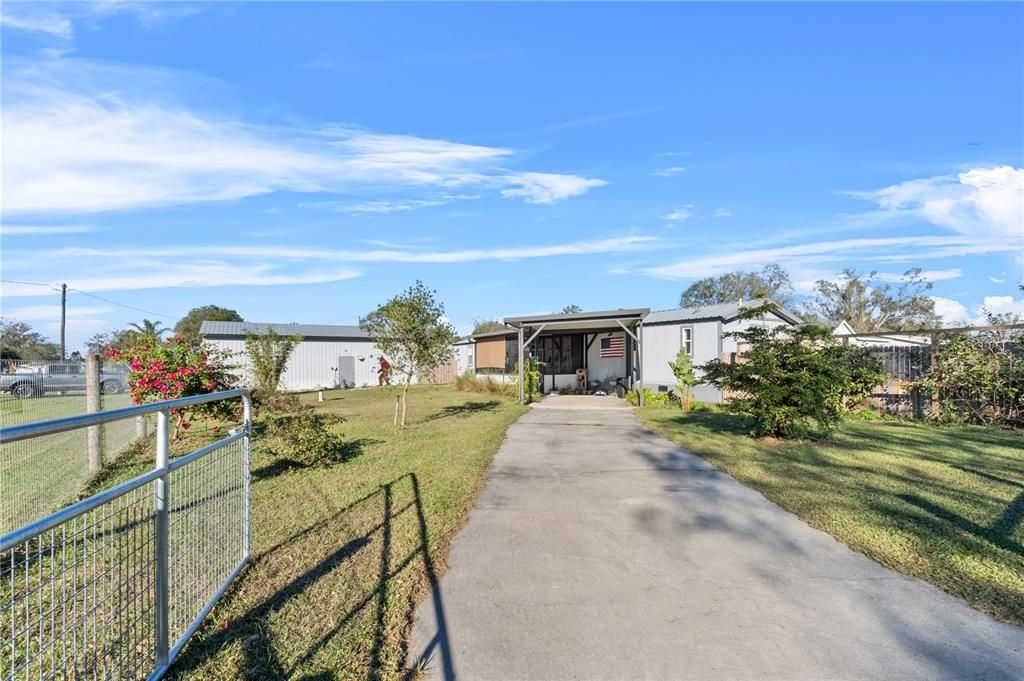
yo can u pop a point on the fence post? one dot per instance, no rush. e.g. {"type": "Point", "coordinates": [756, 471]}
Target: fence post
{"type": "Point", "coordinates": [94, 435]}
{"type": "Point", "coordinates": [933, 363]}
{"type": "Point", "coordinates": [247, 454]}
{"type": "Point", "coordinates": [162, 527]}
{"type": "Point", "coordinates": [140, 427]}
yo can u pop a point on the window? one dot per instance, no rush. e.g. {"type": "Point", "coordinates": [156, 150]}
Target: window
{"type": "Point", "coordinates": [686, 339]}
{"type": "Point", "coordinates": [560, 354]}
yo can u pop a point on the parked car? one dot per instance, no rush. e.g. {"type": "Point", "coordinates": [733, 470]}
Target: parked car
{"type": "Point", "coordinates": [58, 377]}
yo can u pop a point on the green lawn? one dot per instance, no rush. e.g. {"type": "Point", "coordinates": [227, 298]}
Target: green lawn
{"type": "Point", "coordinates": [941, 503]}
{"type": "Point", "coordinates": [343, 553]}
{"type": "Point", "coordinates": [40, 475]}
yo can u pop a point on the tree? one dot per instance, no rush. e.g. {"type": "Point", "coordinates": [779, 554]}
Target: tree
{"type": "Point", "coordinates": [411, 331]}
{"type": "Point", "coordinates": [571, 309]}
{"type": "Point", "coordinates": [101, 342]}
{"type": "Point", "coordinates": [167, 369]}
{"type": "Point", "coordinates": [686, 379]}
{"type": "Point", "coordinates": [870, 304]}
{"type": "Point", "coordinates": [487, 326]}
{"type": "Point", "coordinates": [149, 328]}
{"type": "Point", "coordinates": [771, 282]}
{"type": "Point", "coordinates": [190, 323]}
{"type": "Point", "coordinates": [19, 341]}
{"type": "Point", "coordinates": [791, 377]}
{"type": "Point", "coordinates": [269, 353]}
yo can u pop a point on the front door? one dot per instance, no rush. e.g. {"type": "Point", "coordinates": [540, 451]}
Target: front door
{"type": "Point", "coordinates": [347, 372]}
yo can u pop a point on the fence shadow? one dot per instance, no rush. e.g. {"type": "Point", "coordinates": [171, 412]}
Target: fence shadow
{"type": "Point", "coordinates": [250, 630]}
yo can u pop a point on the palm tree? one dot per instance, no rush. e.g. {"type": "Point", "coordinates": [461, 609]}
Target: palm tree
{"type": "Point", "coordinates": [150, 328]}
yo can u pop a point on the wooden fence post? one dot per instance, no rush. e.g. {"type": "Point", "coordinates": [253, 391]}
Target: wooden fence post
{"type": "Point", "coordinates": [140, 427]}
{"type": "Point", "coordinates": [94, 435]}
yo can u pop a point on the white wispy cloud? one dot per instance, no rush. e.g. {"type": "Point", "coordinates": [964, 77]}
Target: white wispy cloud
{"type": "Point", "coordinates": [679, 214]}
{"type": "Point", "coordinates": [40, 230]}
{"type": "Point", "coordinates": [26, 16]}
{"type": "Point", "coordinates": [668, 172]}
{"type": "Point", "coordinates": [839, 251]}
{"type": "Point", "coordinates": [58, 19]}
{"type": "Point", "coordinates": [78, 139]}
{"type": "Point", "coordinates": [978, 202]}
{"type": "Point", "coordinates": [382, 207]}
{"type": "Point", "coordinates": [1001, 279]}
{"type": "Point", "coordinates": [723, 213]}
{"type": "Point", "coordinates": [201, 265]}
{"type": "Point", "coordinates": [927, 275]}
{"type": "Point", "coordinates": [547, 187]}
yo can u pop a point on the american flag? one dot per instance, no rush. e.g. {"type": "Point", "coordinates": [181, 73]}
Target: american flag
{"type": "Point", "coordinates": [613, 347]}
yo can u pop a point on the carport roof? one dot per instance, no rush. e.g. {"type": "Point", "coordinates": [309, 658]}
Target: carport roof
{"type": "Point", "coordinates": [580, 319]}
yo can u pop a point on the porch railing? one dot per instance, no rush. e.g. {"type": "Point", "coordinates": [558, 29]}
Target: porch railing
{"type": "Point", "coordinates": [112, 587]}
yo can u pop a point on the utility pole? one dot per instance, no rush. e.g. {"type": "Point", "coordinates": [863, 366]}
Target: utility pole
{"type": "Point", "coordinates": [63, 317]}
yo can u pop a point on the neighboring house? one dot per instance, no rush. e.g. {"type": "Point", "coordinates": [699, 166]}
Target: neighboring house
{"type": "Point", "coordinates": [605, 344]}
{"type": "Point", "coordinates": [463, 354]}
{"type": "Point", "coordinates": [326, 357]}
{"type": "Point", "coordinates": [889, 340]}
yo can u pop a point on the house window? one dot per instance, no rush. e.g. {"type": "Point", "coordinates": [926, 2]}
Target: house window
{"type": "Point", "coordinates": [686, 339]}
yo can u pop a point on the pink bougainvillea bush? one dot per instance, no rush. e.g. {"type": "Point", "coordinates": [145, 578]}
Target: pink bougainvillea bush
{"type": "Point", "coordinates": [177, 367]}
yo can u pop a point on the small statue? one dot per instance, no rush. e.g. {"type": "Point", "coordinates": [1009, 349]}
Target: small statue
{"type": "Point", "coordinates": [383, 372]}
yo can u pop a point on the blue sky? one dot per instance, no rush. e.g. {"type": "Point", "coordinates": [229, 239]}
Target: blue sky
{"type": "Point", "coordinates": [303, 162]}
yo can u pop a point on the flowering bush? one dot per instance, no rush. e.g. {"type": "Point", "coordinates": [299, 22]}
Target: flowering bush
{"type": "Point", "coordinates": [173, 368]}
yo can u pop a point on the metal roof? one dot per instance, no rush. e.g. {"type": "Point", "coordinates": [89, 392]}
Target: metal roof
{"type": "Point", "coordinates": [723, 311]}
{"type": "Point", "coordinates": [603, 315]}
{"type": "Point", "coordinates": [239, 329]}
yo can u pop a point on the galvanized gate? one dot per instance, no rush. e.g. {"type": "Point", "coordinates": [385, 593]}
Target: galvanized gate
{"type": "Point", "coordinates": [113, 586]}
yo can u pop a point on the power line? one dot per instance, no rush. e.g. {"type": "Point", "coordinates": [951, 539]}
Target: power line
{"type": "Point", "coordinates": [31, 283]}
{"type": "Point", "coordinates": [114, 302]}
{"type": "Point", "coordinates": [91, 295]}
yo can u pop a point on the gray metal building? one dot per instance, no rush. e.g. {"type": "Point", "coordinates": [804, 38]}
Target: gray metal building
{"type": "Point", "coordinates": [327, 357]}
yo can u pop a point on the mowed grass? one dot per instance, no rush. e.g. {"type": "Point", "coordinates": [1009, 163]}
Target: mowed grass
{"type": "Point", "coordinates": [343, 553]}
{"type": "Point", "coordinates": [944, 504]}
{"type": "Point", "coordinates": [43, 474]}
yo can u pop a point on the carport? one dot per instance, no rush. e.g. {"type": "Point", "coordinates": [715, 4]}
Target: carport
{"type": "Point", "coordinates": [585, 328]}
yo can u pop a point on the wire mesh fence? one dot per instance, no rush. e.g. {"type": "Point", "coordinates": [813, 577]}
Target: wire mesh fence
{"type": "Point", "coordinates": [43, 474]}
{"type": "Point", "coordinates": [112, 586]}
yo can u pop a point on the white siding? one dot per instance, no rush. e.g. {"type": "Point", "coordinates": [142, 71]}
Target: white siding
{"type": "Point", "coordinates": [314, 364]}
{"type": "Point", "coordinates": [464, 355]}
{"type": "Point", "coordinates": [662, 343]}
{"type": "Point", "coordinates": [604, 368]}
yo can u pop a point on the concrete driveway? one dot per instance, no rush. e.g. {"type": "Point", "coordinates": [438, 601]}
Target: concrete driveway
{"type": "Point", "coordinates": [599, 550]}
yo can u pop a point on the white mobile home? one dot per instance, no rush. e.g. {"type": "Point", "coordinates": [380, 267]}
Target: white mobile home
{"type": "Point", "coordinates": [326, 357]}
{"type": "Point", "coordinates": [703, 331]}
{"type": "Point", "coordinates": [632, 347]}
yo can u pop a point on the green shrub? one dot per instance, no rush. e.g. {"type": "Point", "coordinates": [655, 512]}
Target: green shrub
{"type": "Point", "coordinates": [651, 398]}
{"type": "Point", "coordinates": [301, 432]}
{"type": "Point", "coordinates": [790, 379]}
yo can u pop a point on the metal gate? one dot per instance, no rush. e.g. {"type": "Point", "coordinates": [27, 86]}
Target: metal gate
{"type": "Point", "coordinates": [112, 587]}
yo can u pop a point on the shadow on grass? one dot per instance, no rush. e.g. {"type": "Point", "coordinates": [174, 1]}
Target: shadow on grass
{"type": "Point", "coordinates": [465, 409]}
{"type": "Point", "coordinates": [999, 533]}
{"type": "Point", "coordinates": [250, 633]}
{"type": "Point", "coordinates": [345, 451]}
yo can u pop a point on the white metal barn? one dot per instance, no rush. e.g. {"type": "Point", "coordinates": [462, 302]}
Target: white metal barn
{"type": "Point", "coordinates": [327, 357]}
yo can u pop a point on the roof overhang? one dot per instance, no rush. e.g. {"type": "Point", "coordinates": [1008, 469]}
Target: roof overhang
{"type": "Point", "coordinates": [581, 321]}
